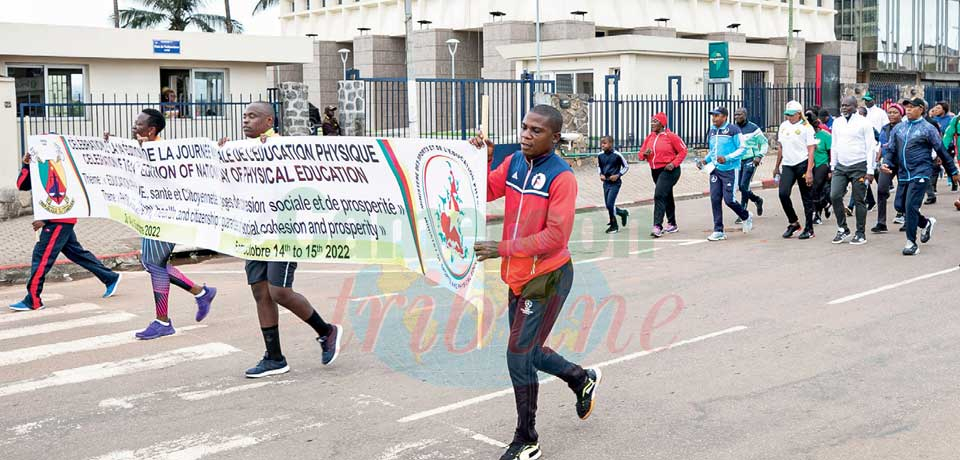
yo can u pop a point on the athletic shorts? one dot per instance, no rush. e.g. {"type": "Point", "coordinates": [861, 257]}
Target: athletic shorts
{"type": "Point", "coordinates": [279, 274]}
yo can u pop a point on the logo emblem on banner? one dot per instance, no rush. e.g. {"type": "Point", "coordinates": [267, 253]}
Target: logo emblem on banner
{"type": "Point", "coordinates": [54, 179]}
{"type": "Point", "coordinates": [450, 196]}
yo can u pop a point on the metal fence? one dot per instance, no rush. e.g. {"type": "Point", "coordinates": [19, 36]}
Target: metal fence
{"type": "Point", "coordinates": [449, 108]}
{"type": "Point", "coordinates": [628, 118]}
{"type": "Point", "coordinates": [116, 115]}
{"type": "Point", "coordinates": [765, 103]}
{"type": "Point", "coordinates": [950, 94]}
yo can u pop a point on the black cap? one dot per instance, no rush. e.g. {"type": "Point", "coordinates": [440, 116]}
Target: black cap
{"type": "Point", "coordinates": [720, 111]}
{"type": "Point", "coordinates": [916, 102]}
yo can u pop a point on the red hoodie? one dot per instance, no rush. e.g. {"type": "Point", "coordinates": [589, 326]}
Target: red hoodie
{"type": "Point", "coordinates": [666, 146]}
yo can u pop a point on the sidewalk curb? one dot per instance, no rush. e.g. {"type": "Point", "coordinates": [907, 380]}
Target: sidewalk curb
{"type": "Point", "coordinates": [765, 184]}
{"type": "Point", "coordinates": [65, 270]}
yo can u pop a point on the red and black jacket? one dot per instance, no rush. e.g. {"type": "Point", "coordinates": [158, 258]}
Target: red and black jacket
{"type": "Point", "coordinates": [540, 202]}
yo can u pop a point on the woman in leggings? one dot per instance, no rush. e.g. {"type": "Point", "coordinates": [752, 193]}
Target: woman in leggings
{"type": "Point", "coordinates": [665, 151]}
{"type": "Point", "coordinates": [821, 169]}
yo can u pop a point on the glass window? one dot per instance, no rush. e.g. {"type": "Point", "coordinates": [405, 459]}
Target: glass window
{"type": "Point", "coordinates": [565, 83]}
{"type": "Point", "coordinates": [44, 85]}
{"type": "Point", "coordinates": [208, 92]}
{"type": "Point", "coordinates": [585, 83]}
{"type": "Point", "coordinates": [28, 82]}
{"type": "Point", "coordinates": [65, 86]}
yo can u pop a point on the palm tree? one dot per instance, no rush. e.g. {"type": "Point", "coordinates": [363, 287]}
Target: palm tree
{"type": "Point", "coordinates": [179, 14]}
{"type": "Point", "coordinates": [228, 20]}
{"type": "Point", "coordinates": [264, 5]}
{"type": "Point", "coordinates": [116, 14]}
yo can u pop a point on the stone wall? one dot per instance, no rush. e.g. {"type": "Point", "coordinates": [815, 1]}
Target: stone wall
{"type": "Point", "coordinates": [576, 117]}
{"type": "Point", "coordinates": [296, 111]}
{"type": "Point", "coordinates": [857, 90]}
{"type": "Point", "coordinates": [351, 96]}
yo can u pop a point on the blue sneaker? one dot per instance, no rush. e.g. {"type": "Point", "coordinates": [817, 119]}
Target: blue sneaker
{"type": "Point", "coordinates": [22, 306]}
{"type": "Point", "coordinates": [204, 302]}
{"type": "Point", "coordinates": [267, 367]}
{"type": "Point", "coordinates": [331, 344]}
{"type": "Point", "coordinates": [112, 288]}
{"type": "Point", "coordinates": [156, 330]}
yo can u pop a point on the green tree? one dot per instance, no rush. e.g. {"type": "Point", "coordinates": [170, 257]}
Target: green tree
{"type": "Point", "coordinates": [264, 5]}
{"type": "Point", "coordinates": [178, 14]}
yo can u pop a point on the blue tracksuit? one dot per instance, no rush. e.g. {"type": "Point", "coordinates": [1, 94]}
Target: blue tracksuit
{"type": "Point", "coordinates": [609, 164]}
{"type": "Point", "coordinates": [725, 141]}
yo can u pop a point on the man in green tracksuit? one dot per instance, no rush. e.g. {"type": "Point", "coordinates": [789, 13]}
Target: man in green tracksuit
{"type": "Point", "coordinates": [755, 148]}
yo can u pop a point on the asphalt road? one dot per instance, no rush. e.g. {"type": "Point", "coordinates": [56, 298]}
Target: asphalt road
{"type": "Point", "coordinates": [752, 348]}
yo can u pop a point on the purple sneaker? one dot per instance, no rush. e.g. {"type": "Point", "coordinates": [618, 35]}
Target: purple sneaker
{"type": "Point", "coordinates": [155, 330]}
{"type": "Point", "coordinates": [672, 228]}
{"type": "Point", "coordinates": [657, 231]}
{"type": "Point", "coordinates": [204, 302]}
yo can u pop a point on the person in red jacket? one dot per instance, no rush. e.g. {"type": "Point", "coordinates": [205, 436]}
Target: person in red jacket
{"type": "Point", "coordinates": [539, 186]}
{"type": "Point", "coordinates": [665, 151]}
{"type": "Point", "coordinates": [57, 236]}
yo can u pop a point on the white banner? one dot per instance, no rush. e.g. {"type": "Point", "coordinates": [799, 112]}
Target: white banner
{"type": "Point", "coordinates": [418, 203]}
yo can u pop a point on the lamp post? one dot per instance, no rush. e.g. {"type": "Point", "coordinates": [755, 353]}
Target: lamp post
{"type": "Point", "coordinates": [452, 45]}
{"type": "Point", "coordinates": [344, 53]}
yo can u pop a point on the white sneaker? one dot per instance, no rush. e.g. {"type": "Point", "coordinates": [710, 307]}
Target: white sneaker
{"type": "Point", "coordinates": [748, 224]}
{"type": "Point", "coordinates": [717, 236]}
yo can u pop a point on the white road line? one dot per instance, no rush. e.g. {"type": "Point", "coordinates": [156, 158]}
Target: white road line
{"type": "Point", "coordinates": [371, 297]}
{"type": "Point", "coordinates": [46, 298]}
{"type": "Point", "coordinates": [206, 394]}
{"type": "Point", "coordinates": [508, 391]}
{"type": "Point", "coordinates": [891, 286]}
{"type": "Point", "coordinates": [644, 251]}
{"type": "Point", "coordinates": [24, 355]}
{"type": "Point", "coordinates": [396, 452]}
{"type": "Point", "coordinates": [48, 312]}
{"type": "Point", "coordinates": [188, 448]}
{"type": "Point", "coordinates": [106, 370]}
{"type": "Point", "coordinates": [47, 328]}
{"type": "Point", "coordinates": [480, 437]}
{"type": "Point", "coordinates": [590, 261]}
{"type": "Point", "coordinates": [691, 243]}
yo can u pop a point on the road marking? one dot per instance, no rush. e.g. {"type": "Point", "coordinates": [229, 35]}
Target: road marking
{"type": "Point", "coordinates": [46, 298]}
{"type": "Point", "coordinates": [206, 394]}
{"type": "Point", "coordinates": [691, 243]}
{"type": "Point", "coordinates": [187, 448]}
{"type": "Point", "coordinates": [24, 355]}
{"type": "Point", "coordinates": [394, 453]}
{"type": "Point", "coordinates": [891, 286]}
{"type": "Point", "coordinates": [589, 261]}
{"type": "Point", "coordinates": [508, 391]}
{"type": "Point", "coordinates": [480, 437]}
{"type": "Point", "coordinates": [644, 251]}
{"type": "Point", "coordinates": [47, 328]}
{"type": "Point", "coordinates": [371, 297]}
{"type": "Point", "coordinates": [48, 312]}
{"type": "Point", "coordinates": [105, 370]}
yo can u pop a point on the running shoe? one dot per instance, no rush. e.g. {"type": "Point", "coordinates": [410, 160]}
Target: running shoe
{"type": "Point", "coordinates": [826, 210]}
{"type": "Point", "coordinates": [623, 213]}
{"type": "Point", "coordinates": [953, 187]}
{"type": "Point", "coordinates": [842, 235]}
{"type": "Point", "coordinates": [112, 287]}
{"type": "Point", "coordinates": [911, 249]}
{"type": "Point", "coordinates": [657, 231]}
{"type": "Point", "coordinates": [156, 330]}
{"type": "Point", "coordinates": [587, 395]}
{"type": "Point", "coordinates": [899, 219]}
{"type": "Point", "coordinates": [267, 367]}
{"type": "Point", "coordinates": [738, 221]}
{"type": "Point", "coordinates": [22, 306]}
{"type": "Point", "coordinates": [931, 200]}
{"type": "Point", "coordinates": [759, 206]}
{"type": "Point", "coordinates": [871, 206]}
{"type": "Point", "coordinates": [670, 228]}
{"type": "Point", "coordinates": [807, 234]}
{"type": "Point", "coordinates": [859, 239]}
{"type": "Point", "coordinates": [330, 344]}
{"type": "Point", "coordinates": [522, 451]}
{"type": "Point", "coordinates": [928, 230]}
{"type": "Point", "coordinates": [880, 228]}
{"type": "Point", "coordinates": [748, 224]}
{"type": "Point", "coordinates": [612, 229]}
{"type": "Point", "coordinates": [205, 301]}
{"type": "Point", "coordinates": [817, 220]}
{"type": "Point", "coordinates": [791, 230]}
{"type": "Point", "coordinates": [849, 211]}
{"type": "Point", "coordinates": [717, 236]}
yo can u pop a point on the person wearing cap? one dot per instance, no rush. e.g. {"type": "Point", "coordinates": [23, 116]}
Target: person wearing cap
{"type": "Point", "coordinates": [664, 151]}
{"type": "Point", "coordinates": [331, 126]}
{"type": "Point", "coordinates": [755, 148]}
{"type": "Point", "coordinates": [885, 180]}
{"type": "Point", "coordinates": [795, 166]}
{"type": "Point", "coordinates": [726, 147]}
{"type": "Point", "coordinates": [908, 151]}
{"type": "Point", "coordinates": [853, 161]}
{"type": "Point", "coordinates": [826, 121]}
{"type": "Point", "coordinates": [875, 114]}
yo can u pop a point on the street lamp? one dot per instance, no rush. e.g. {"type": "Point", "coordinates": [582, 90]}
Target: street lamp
{"type": "Point", "coordinates": [452, 47]}
{"type": "Point", "coordinates": [344, 53]}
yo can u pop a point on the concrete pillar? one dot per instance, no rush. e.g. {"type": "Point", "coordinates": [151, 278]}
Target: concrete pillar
{"type": "Point", "coordinates": [799, 61]}
{"type": "Point", "coordinates": [653, 31]}
{"type": "Point", "coordinates": [286, 72]}
{"type": "Point", "coordinates": [296, 112]}
{"type": "Point", "coordinates": [352, 107]}
{"type": "Point", "coordinates": [379, 56]}
{"type": "Point", "coordinates": [726, 36]}
{"type": "Point", "coordinates": [567, 29]}
{"type": "Point", "coordinates": [431, 57]}
{"type": "Point", "coordinates": [10, 158]}
{"type": "Point", "coordinates": [847, 50]}
{"type": "Point", "coordinates": [325, 71]}
{"type": "Point", "coordinates": [496, 34]}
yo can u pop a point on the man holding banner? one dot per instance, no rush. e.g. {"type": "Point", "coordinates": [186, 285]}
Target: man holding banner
{"type": "Point", "coordinates": [272, 282]}
{"type": "Point", "coordinates": [155, 254]}
{"type": "Point", "coordinates": [540, 186]}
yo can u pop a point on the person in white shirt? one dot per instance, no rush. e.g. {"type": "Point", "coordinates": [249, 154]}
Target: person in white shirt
{"type": "Point", "coordinates": [877, 116]}
{"type": "Point", "coordinates": [853, 160]}
{"type": "Point", "coordinates": [795, 166]}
